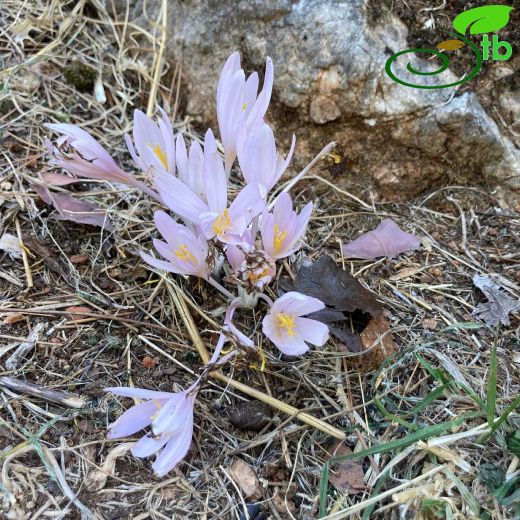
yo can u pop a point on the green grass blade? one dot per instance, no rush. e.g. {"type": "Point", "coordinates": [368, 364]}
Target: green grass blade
{"type": "Point", "coordinates": [422, 434]}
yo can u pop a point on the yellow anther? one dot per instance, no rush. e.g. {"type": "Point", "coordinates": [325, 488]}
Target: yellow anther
{"type": "Point", "coordinates": [183, 253]}
{"type": "Point", "coordinates": [285, 321]}
{"type": "Point", "coordinates": [222, 223]}
{"type": "Point", "coordinates": [244, 107]}
{"type": "Point", "coordinates": [157, 150]}
{"type": "Point", "coordinates": [278, 239]}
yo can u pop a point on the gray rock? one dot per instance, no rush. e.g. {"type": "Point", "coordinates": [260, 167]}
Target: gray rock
{"type": "Point", "coordinates": [330, 84]}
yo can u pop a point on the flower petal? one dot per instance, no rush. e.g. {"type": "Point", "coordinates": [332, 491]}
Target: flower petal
{"type": "Point", "coordinates": [134, 419]}
{"type": "Point", "coordinates": [148, 445]}
{"type": "Point", "coordinates": [174, 451]}
{"type": "Point", "coordinates": [179, 198]}
{"type": "Point", "coordinates": [312, 331]}
{"type": "Point", "coordinates": [297, 304]}
{"type": "Point", "coordinates": [138, 393]}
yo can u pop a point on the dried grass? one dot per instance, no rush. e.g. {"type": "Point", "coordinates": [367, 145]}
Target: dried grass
{"type": "Point", "coordinates": [56, 461]}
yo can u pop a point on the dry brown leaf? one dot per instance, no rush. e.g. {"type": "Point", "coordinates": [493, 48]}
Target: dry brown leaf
{"type": "Point", "coordinates": [78, 312]}
{"type": "Point", "coordinates": [346, 476]}
{"type": "Point", "coordinates": [246, 480]}
{"type": "Point", "coordinates": [378, 341]}
{"type": "Point", "coordinates": [339, 291]}
{"type": "Point", "coordinates": [13, 318]}
{"type": "Point", "coordinates": [79, 259]}
{"type": "Point", "coordinates": [407, 272]}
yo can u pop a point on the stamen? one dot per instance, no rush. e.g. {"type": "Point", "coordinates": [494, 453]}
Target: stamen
{"type": "Point", "coordinates": [222, 223]}
{"type": "Point", "coordinates": [184, 254]}
{"type": "Point", "coordinates": [285, 321]}
{"type": "Point", "coordinates": [157, 150]}
{"type": "Point", "coordinates": [278, 239]}
{"type": "Point", "coordinates": [244, 107]}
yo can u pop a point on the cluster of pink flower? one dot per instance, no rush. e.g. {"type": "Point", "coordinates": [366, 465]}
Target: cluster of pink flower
{"type": "Point", "coordinates": [193, 184]}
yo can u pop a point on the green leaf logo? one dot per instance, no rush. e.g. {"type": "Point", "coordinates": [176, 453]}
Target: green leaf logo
{"type": "Point", "coordinates": [489, 18]}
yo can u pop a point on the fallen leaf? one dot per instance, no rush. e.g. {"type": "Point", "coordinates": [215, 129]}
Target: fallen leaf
{"type": "Point", "coordinates": [387, 239]}
{"type": "Point", "coordinates": [450, 45]}
{"type": "Point", "coordinates": [332, 285]}
{"type": "Point", "coordinates": [70, 208]}
{"type": "Point", "coordinates": [78, 312]}
{"type": "Point", "coordinates": [13, 318]}
{"type": "Point", "coordinates": [79, 259]}
{"type": "Point", "coordinates": [250, 415]}
{"type": "Point", "coordinates": [11, 245]}
{"type": "Point", "coordinates": [407, 272]}
{"type": "Point", "coordinates": [499, 304]}
{"type": "Point", "coordinates": [346, 476]}
{"type": "Point", "coordinates": [378, 342]}
{"type": "Point", "coordinates": [246, 479]}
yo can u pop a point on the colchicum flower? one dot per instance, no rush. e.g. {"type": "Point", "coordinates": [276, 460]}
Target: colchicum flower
{"type": "Point", "coordinates": [259, 161]}
{"type": "Point", "coordinates": [154, 143]}
{"type": "Point", "coordinates": [190, 166]}
{"type": "Point", "coordinates": [286, 328]}
{"type": "Point", "coordinates": [214, 217]}
{"type": "Point", "coordinates": [282, 229]}
{"type": "Point", "coordinates": [171, 418]}
{"type": "Point", "coordinates": [185, 251]}
{"type": "Point", "coordinates": [80, 154]}
{"type": "Point", "coordinates": [238, 106]}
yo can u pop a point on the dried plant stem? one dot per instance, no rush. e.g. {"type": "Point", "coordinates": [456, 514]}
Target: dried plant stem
{"type": "Point", "coordinates": [304, 172]}
{"type": "Point", "coordinates": [26, 265]}
{"type": "Point", "coordinates": [158, 59]}
{"type": "Point", "coordinates": [271, 401]}
{"type": "Point", "coordinates": [56, 396]}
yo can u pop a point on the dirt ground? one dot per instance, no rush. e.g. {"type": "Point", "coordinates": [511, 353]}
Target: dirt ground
{"type": "Point", "coordinates": [435, 420]}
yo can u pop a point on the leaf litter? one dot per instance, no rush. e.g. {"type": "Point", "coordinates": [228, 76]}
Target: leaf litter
{"type": "Point", "coordinates": [499, 305]}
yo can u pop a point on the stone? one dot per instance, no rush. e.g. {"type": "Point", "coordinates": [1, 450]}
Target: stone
{"type": "Point", "coordinates": [331, 85]}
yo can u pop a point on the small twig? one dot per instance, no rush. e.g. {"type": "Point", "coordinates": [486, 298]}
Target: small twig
{"type": "Point", "coordinates": [56, 396]}
{"type": "Point", "coordinates": [306, 170]}
{"type": "Point", "coordinates": [26, 265]}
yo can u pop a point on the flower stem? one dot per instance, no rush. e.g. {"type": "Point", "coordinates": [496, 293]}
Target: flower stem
{"type": "Point", "coordinates": [220, 288]}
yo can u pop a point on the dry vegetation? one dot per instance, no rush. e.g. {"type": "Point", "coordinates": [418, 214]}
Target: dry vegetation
{"type": "Point", "coordinates": [422, 415]}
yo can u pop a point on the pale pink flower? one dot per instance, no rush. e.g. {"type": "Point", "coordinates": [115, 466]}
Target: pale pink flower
{"type": "Point", "coordinates": [154, 145]}
{"type": "Point", "coordinates": [185, 251]}
{"type": "Point", "coordinates": [170, 416]}
{"type": "Point", "coordinates": [282, 229]}
{"type": "Point", "coordinates": [80, 154]}
{"type": "Point", "coordinates": [214, 217]}
{"type": "Point", "coordinates": [75, 210]}
{"type": "Point", "coordinates": [286, 328]}
{"type": "Point", "coordinates": [238, 105]}
{"type": "Point", "coordinates": [190, 166]}
{"type": "Point", "coordinates": [259, 161]}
